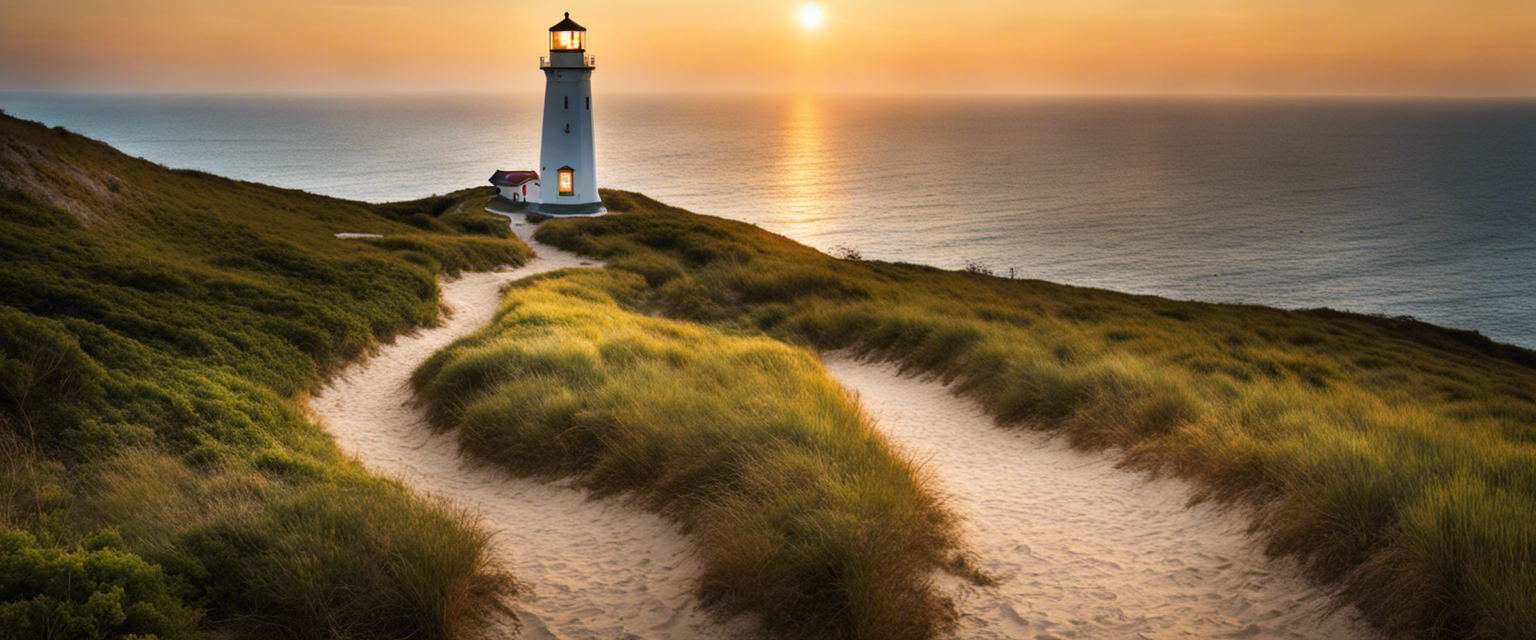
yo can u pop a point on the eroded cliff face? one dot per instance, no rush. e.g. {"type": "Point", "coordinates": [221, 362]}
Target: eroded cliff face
{"type": "Point", "coordinates": [67, 170]}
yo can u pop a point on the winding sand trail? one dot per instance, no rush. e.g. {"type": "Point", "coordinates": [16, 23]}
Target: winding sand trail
{"type": "Point", "coordinates": [597, 568]}
{"type": "Point", "coordinates": [1081, 549]}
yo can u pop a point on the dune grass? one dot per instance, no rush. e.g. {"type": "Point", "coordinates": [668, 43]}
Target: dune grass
{"type": "Point", "coordinates": [287, 547]}
{"type": "Point", "coordinates": [1395, 458]}
{"type": "Point", "coordinates": [159, 331]}
{"type": "Point", "coordinates": [801, 513]}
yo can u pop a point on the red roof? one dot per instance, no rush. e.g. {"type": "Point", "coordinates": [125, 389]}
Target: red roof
{"type": "Point", "coordinates": [513, 178]}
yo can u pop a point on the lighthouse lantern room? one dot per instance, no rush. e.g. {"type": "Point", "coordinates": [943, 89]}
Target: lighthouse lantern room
{"type": "Point", "coordinates": [567, 140]}
{"type": "Point", "coordinates": [567, 36]}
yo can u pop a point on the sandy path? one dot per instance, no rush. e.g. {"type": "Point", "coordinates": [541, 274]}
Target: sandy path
{"type": "Point", "coordinates": [1084, 550]}
{"type": "Point", "coordinates": [598, 569]}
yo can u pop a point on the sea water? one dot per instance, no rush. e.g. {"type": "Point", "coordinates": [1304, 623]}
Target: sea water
{"type": "Point", "coordinates": [1396, 207]}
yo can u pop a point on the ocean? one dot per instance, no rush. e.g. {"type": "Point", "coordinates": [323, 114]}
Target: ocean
{"type": "Point", "coordinates": [1395, 207]}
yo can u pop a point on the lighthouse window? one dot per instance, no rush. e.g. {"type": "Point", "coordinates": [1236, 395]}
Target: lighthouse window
{"type": "Point", "coordinates": [566, 40]}
{"type": "Point", "coordinates": [589, 103]}
{"type": "Point", "coordinates": [567, 182]}
{"type": "Point", "coordinates": [567, 102]}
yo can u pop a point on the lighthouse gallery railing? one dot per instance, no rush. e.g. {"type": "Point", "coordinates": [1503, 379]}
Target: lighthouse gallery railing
{"type": "Point", "coordinates": [586, 61]}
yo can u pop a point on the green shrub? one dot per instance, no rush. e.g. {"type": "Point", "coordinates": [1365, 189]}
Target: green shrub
{"type": "Point", "coordinates": [365, 560]}
{"type": "Point", "coordinates": [45, 378]}
{"type": "Point", "coordinates": [95, 593]}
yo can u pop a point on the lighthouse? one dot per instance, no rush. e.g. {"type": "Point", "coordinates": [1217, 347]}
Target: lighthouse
{"type": "Point", "coordinates": [566, 163]}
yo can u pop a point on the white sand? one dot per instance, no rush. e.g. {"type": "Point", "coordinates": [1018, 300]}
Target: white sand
{"type": "Point", "coordinates": [598, 569]}
{"type": "Point", "coordinates": [1084, 550]}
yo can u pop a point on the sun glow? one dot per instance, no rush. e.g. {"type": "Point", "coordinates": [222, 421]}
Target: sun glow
{"type": "Point", "coordinates": [810, 16]}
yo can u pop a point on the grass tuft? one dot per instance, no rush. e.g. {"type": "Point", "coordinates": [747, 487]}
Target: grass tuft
{"type": "Point", "coordinates": [801, 513]}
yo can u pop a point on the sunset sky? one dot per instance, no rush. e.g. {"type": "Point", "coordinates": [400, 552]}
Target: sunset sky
{"type": "Point", "coordinates": [1370, 47]}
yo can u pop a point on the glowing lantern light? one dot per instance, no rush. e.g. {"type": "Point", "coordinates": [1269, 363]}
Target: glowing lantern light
{"type": "Point", "coordinates": [567, 36]}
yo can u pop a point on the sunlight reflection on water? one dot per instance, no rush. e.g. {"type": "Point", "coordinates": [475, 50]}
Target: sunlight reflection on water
{"type": "Point", "coordinates": [802, 159]}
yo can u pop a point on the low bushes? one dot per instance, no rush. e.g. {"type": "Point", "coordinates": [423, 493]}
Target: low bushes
{"type": "Point", "coordinates": [90, 592]}
{"type": "Point", "coordinates": [300, 548]}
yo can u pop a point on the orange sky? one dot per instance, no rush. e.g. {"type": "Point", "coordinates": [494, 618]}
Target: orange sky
{"type": "Point", "coordinates": [1400, 47]}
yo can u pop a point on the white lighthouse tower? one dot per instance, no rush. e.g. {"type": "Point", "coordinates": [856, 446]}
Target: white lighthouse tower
{"type": "Point", "coordinates": [567, 168]}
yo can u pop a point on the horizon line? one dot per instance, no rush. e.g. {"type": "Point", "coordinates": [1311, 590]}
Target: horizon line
{"type": "Point", "coordinates": [290, 92]}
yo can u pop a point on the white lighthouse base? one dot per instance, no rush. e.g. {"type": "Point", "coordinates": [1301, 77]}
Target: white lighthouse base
{"type": "Point", "coordinates": [565, 210]}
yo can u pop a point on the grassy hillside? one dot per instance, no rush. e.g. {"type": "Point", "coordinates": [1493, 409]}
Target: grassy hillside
{"type": "Point", "coordinates": [1397, 459]}
{"type": "Point", "coordinates": [159, 330]}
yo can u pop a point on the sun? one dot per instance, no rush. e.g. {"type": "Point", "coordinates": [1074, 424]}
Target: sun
{"type": "Point", "coordinates": [810, 16]}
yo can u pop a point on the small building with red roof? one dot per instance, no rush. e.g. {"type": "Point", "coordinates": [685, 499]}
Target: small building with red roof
{"type": "Point", "coordinates": [517, 186]}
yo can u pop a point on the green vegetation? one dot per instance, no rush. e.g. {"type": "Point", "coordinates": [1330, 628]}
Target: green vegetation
{"type": "Point", "coordinates": [1395, 458]}
{"type": "Point", "coordinates": [159, 331]}
{"type": "Point", "coordinates": [801, 513]}
{"type": "Point", "coordinates": [93, 593]}
{"type": "Point", "coordinates": [462, 212]}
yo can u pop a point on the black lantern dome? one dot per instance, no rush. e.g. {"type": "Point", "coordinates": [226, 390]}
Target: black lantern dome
{"type": "Point", "coordinates": [566, 35]}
